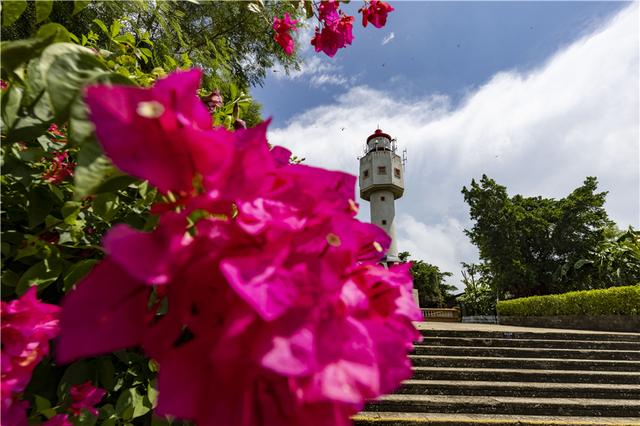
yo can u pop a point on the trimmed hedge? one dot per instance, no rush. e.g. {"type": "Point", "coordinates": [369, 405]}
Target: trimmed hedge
{"type": "Point", "coordinates": [609, 301]}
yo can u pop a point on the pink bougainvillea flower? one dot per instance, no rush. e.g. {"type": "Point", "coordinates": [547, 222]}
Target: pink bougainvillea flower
{"type": "Point", "coordinates": [213, 101]}
{"type": "Point", "coordinates": [345, 27]}
{"type": "Point", "coordinates": [278, 312]}
{"type": "Point", "coordinates": [328, 12]}
{"type": "Point", "coordinates": [58, 420]}
{"type": "Point", "coordinates": [61, 167]}
{"type": "Point", "coordinates": [376, 13]}
{"type": "Point", "coordinates": [3, 85]}
{"type": "Point", "coordinates": [14, 411]}
{"type": "Point", "coordinates": [334, 37]}
{"type": "Point", "coordinates": [145, 130]}
{"type": "Point", "coordinates": [58, 135]}
{"type": "Point", "coordinates": [283, 28]}
{"type": "Point", "coordinates": [85, 397]}
{"type": "Point", "coordinates": [27, 327]}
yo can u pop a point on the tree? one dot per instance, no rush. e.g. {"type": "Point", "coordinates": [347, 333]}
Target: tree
{"type": "Point", "coordinates": [615, 261]}
{"type": "Point", "coordinates": [430, 282]}
{"type": "Point", "coordinates": [526, 241]}
{"type": "Point", "coordinates": [231, 41]}
{"type": "Point", "coordinates": [479, 296]}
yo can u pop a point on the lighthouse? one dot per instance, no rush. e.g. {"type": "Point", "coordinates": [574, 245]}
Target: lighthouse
{"type": "Point", "coordinates": [381, 183]}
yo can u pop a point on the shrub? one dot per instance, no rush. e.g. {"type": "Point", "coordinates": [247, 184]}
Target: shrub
{"type": "Point", "coordinates": [610, 301]}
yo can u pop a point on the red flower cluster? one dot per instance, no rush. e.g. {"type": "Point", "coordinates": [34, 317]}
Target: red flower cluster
{"type": "Point", "coordinates": [278, 312]}
{"type": "Point", "coordinates": [27, 327]}
{"type": "Point", "coordinates": [60, 168]}
{"type": "Point", "coordinates": [376, 12]}
{"type": "Point", "coordinates": [283, 28]}
{"type": "Point", "coordinates": [56, 134]}
{"type": "Point", "coordinates": [84, 397]}
{"type": "Point", "coordinates": [337, 29]}
{"type": "Point", "coordinates": [213, 101]}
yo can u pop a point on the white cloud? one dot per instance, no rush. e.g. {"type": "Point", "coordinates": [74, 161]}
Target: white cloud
{"type": "Point", "coordinates": [538, 132]}
{"type": "Point", "coordinates": [318, 71]}
{"type": "Point", "coordinates": [324, 79]}
{"type": "Point", "coordinates": [388, 38]}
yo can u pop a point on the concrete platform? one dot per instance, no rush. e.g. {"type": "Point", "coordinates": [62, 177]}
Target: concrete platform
{"type": "Point", "coordinates": [448, 419]}
{"type": "Point", "coordinates": [460, 326]}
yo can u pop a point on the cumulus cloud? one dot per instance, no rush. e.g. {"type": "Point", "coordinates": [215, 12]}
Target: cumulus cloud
{"type": "Point", "coordinates": [318, 71]}
{"type": "Point", "coordinates": [388, 38]}
{"type": "Point", "coordinates": [538, 132]}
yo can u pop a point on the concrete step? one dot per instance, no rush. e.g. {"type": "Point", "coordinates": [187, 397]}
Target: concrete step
{"type": "Point", "coordinates": [519, 389]}
{"type": "Point", "coordinates": [530, 343]}
{"type": "Point", "coordinates": [482, 351]}
{"type": "Point", "coordinates": [448, 419]}
{"type": "Point", "coordinates": [506, 405]}
{"type": "Point", "coordinates": [547, 335]}
{"type": "Point", "coordinates": [528, 363]}
{"type": "Point", "coordinates": [524, 375]}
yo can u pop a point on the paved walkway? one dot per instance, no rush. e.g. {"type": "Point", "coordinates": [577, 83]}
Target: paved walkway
{"type": "Point", "coordinates": [460, 326]}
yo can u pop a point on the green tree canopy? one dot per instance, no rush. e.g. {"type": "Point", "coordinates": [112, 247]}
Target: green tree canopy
{"type": "Point", "coordinates": [479, 296]}
{"type": "Point", "coordinates": [527, 241]}
{"type": "Point", "coordinates": [231, 41]}
{"type": "Point", "coordinates": [429, 280]}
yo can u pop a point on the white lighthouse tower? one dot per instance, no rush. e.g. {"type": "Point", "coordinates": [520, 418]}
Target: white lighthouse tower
{"type": "Point", "coordinates": [381, 182]}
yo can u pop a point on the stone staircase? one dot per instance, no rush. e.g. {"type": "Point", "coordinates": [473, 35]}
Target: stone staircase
{"type": "Point", "coordinates": [472, 377]}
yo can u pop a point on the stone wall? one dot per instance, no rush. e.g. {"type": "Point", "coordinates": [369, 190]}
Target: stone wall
{"type": "Point", "coordinates": [624, 323]}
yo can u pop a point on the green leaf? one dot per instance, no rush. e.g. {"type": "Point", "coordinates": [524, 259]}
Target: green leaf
{"type": "Point", "coordinates": [27, 128]}
{"type": "Point", "coordinates": [79, 6]}
{"type": "Point", "coordinates": [78, 271]}
{"type": "Point", "coordinates": [41, 274]}
{"type": "Point", "coordinates": [40, 205]}
{"type": "Point", "coordinates": [106, 373]}
{"type": "Point", "coordinates": [11, 11]}
{"type": "Point", "coordinates": [115, 183]}
{"type": "Point", "coordinates": [51, 53]}
{"type": "Point", "coordinates": [130, 405]}
{"type": "Point", "coordinates": [10, 102]}
{"type": "Point", "coordinates": [70, 211]}
{"type": "Point", "coordinates": [65, 78]}
{"type": "Point", "coordinates": [41, 403]}
{"type": "Point", "coordinates": [580, 263]}
{"type": "Point", "coordinates": [43, 9]}
{"type": "Point", "coordinates": [92, 170]}
{"type": "Point", "coordinates": [59, 32]}
{"type": "Point", "coordinates": [15, 53]}
{"type": "Point", "coordinates": [105, 205]}
{"type": "Point", "coordinates": [115, 28]}
{"type": "Point", "coordinates": [9, 278]}
{"type": "Point", "coordinates": [102, 26]}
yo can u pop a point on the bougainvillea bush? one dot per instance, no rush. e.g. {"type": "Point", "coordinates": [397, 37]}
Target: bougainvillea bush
{"type": "Point", "coordinates": [162, 263]}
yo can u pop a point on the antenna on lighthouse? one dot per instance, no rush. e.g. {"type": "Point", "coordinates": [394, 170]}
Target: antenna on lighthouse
{"type": "Point", "coordinates": [404, 157]}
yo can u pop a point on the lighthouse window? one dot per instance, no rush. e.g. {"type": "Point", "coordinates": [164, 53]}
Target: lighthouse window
{"type": "Point", "coordinates": [382, 170]}
{"type": "Point", "coordinates": [384, 222]}
{"type": "Point", "coordinates": [396, 172]}
{"type": "Point", "coordinates": [365, 174]}
{"type": "Point", "coordinates": [382, 198]}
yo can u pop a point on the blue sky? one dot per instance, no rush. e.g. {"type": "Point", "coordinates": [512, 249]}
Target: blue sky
{"type": "Point", "coordinates": [439, 47]}
{"type": "Point", "coordinates": [537, 95]}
